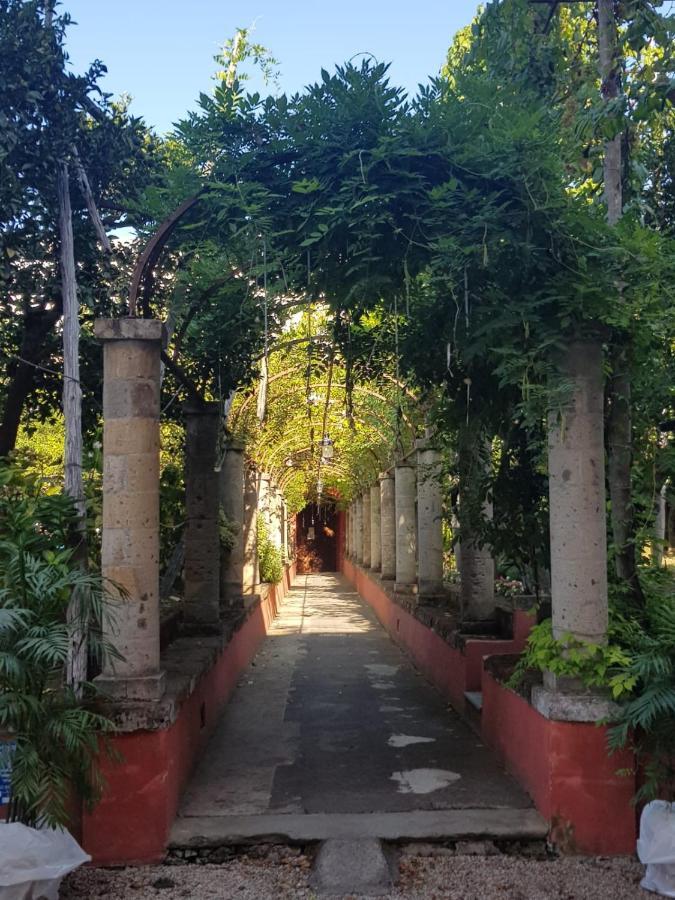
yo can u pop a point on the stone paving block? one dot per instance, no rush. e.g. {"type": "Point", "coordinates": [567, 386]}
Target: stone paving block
{"type": "Point", "coordinates": [351, 867]}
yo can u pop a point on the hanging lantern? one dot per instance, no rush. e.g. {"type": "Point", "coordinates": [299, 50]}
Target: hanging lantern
{"type": "Point", "coordinates": [327, 449]}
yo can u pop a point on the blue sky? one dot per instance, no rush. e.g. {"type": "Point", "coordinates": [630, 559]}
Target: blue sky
{"type": "Point", "coordinates": [161, 51]}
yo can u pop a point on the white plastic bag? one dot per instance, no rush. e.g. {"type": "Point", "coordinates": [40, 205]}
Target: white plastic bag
{"type": "Point", "coordinates": [656, 847]}
{"type": "Point", "coordinates": [33, 861]}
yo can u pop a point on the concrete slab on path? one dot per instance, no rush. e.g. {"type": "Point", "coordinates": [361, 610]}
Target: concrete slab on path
{"type": "Point", "coordinates": [332, 718]}
{"type": "Point", "coordinates": [438, 825]}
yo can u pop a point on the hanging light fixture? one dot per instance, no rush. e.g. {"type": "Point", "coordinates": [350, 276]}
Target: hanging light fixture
{"type": "Point", "coordinates": [327, 449]}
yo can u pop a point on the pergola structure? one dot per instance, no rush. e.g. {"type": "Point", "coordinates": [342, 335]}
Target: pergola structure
{"type": "Point", "coordinates": [390, 537]}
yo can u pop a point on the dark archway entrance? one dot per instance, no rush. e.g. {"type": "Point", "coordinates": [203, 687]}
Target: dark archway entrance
{"type": "Point", "coordinates": [317, 538]}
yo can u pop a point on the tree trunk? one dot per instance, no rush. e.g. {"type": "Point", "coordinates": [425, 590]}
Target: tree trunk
{"type": "Point", "coordinates": [620, 458]}
{"type": "Point", "coordinates": [72, 414]}
{"type": "Point", "coordinates": [37, 325]}
{"type": "Point", "coordinates": [619, 425]}
{"type": "Point", "coordinates": [660, 526]}
{"type": "Point", "coordinates": [610, 86]}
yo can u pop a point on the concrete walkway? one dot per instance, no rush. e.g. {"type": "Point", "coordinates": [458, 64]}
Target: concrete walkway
{"type": "Point", "coordinates": [332, 718]}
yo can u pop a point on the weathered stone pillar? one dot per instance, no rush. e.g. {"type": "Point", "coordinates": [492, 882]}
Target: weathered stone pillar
{"type": "Point", "coordinates": [201, 570]}
{"type": "Point", "coordinates": [348, 534]}
{"type": "Point", "coordinates": [359, 530]}
{"type": "Point", "coordinates": [476, 567]}
{"type": "Point", "coordinates": [274, 499]}
{"type": "Point", "coordinates": [366, 528]}
{"type": "Point", "coordinates": [576, 465]}
{"type": "Point", "coordinates": [232, 503]}
{"type": "Point", "coordinates": [475, 562]}
{"type": "Point", "coordinates": [251, 576]}
{"type": "Point", "coordinates": [130, 533]}
{"type": "Point", "coordinates": [352, 519]}
{"type": "Point", "coordinates": [264, 499]}
{"type": "Point", "coordinates": [429, 521]}
{"type": "Point", "coordinates": [375, 529]}
{"type": "Point", "coordinates": [387, 526]}
{"type": "Point", "coordinates": [406, 527]}
{"type": "Point", "coordinates": [284, 529]}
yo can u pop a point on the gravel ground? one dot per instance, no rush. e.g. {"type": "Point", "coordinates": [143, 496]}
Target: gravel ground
{"type": "Point", "coordinates": [282, 873]}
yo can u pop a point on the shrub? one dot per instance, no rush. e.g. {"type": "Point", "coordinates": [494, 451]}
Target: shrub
{"type": "Point", "coordinates": [269, 557]}
{"type": "Point", "coordinates": [54, 727]}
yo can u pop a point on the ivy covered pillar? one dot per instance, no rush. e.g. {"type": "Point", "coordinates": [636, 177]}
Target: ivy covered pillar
{"type": "Point", "coordinates": [130, 526]}
{"type": "Point", "coordinates": [387, 527]}
{"type": "Point", "coordinates": [576, 461]}
{"type": "Point", "coordinates": [251, 576]}
{"type": "Point", "coordinates": [201, 571]}
{"type": "Point", "coordinates": [366, 528]}
{"type": "Point", "coordinates": [405, 483]}
{"type": "Point", "coordinates": [375, 529]}
{"type": "Point", "coordinates": [429, 521]}
{"type": "Point", "coordinates": [232, 504]}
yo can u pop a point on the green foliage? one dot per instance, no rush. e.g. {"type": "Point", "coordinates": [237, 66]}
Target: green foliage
{"type": "Point", "coordinates": [227, 530]}
{"type": "Point", "coordinates": [171, 490]}
{"type": "Point", "coordinates": [646, 719]}
{"type": "Point", "coordinates": [596, 665]}
{"type": "Point", "coordinates": [48, 113]}
{"type": "Point", "coordinates": [270, 563]}
{"type": "Point", "coordinates": [56, 731]}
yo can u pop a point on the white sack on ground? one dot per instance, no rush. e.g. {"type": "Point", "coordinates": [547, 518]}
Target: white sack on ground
{"type": "Point", "coordinates": [656, 847]}
{"type": "Point", "coordinates": [33, 861]}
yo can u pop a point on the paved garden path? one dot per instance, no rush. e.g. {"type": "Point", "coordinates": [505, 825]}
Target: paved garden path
{"type": "Point", "coordinates": [332, 718]}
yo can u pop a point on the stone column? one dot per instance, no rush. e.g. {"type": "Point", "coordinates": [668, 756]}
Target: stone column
{"type": "Point", "coordinates": [274, 505]}
{"type": "Point", "coordinates": [429, 521]}
{"type": "Point", "coordinates": [475, 562]}
{"type": "Point", "coordinates": [476, 567]}
{"type": "Point", "coordinates": [201, 570]}
{"type": "Point", "coordinates": [406, 527]}
{"type": "Point", "coordinates": [284, 529]}
{"type": "Point", "coordinates": [576, 466]}
{"type": "Point", "coordinates": [353, 529]}
{"type": "Point", "coordinates": [264, 500]}
{"type": "Point", "coordinates": [375, 529]}
{"type": "Point", "coordinates": [130, 532]}
{"type": "Point", "coordinates": [366, 528]}
{"type": "Point", "coordinates": [348, 523]}
{"type": "Point", "coordinates": [387, 526]}
{"type": "Point", "coordinates": [251, 576]}
{"type": "Point", "coordinates": [232, 504]}
{"type": "Point", "coordinates": [358, 530]}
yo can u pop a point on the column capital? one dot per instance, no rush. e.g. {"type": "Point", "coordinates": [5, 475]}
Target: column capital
{"type": "Point", "coordinates": [129, 329]}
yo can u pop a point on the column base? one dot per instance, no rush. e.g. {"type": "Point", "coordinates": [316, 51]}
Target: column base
{"type": "Point", "coordinates": [432, 594]}
{"type": "Point", "coordinates": [404, 588]}
{"type": "Point", "coordinates": [141, 687]}
{"type": "Point", "coordinates": [565, 699]}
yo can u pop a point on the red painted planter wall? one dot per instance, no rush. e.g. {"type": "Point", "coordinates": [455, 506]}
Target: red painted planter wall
{"type": "Point", "coordinates": [452, 670]}
{"type": "Point", "coordinates": [566, 769]}
{"type": "Point", "coordinates": [132, 822]}
{"type": "Point", "coordinates": [564, 766]}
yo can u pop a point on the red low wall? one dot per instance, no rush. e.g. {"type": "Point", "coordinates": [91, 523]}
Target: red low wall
{"type": "Point", "coordinates": [564, 766]}
{"type": "Point", "coordinates": [567, 771]}
{"type": "Point", "coordinates": [132, 822]}
{"type": "Point", "coordinates": [452, 670]}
